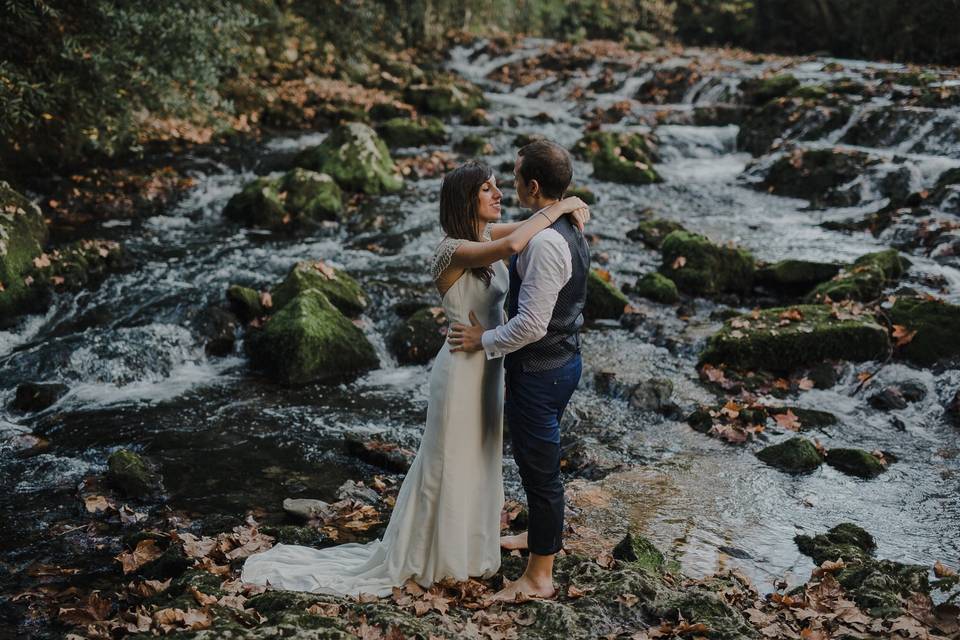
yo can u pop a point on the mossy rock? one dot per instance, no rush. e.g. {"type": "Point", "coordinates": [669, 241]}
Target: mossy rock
{"type": "Point", "coordinates": [356, 158]}
{"type": "Point", "coordinates": [79, 264]}
{"type": "Point", "coordinates": [132, 475]}
{"type": "Point", "coordinates": [604, 301]}
{"type": "Point", "coordinates": [796, 455]}
{"type": "Point", "coordinates": [310, 196]}
{"type": "Point", "coordinates": [258, 205]}
{"type": "Point", "coordinates": [294, 534]}
{"type": "Point", "coordinates": [584, 193]}
{"type": "Point", "coordinates": [767, 345]}
{"type": "Point", "coordinates": [406, 132]}
{"type": "Point", "coordinates": [310, 340]}
{"type": "Point", "coordinates": [652, 232]}
{"type": "Point", "coordinates": [245, 302]}
{"type": "Point", "coordinates": [845, 541]}
{"type": "Point", "coordinates": [339, 288]}
{"type": "Point", "coordinates": [636, 549]}
{"type": "Point", "coordinates": [855, 462]}
{"type": "Point", "coordinates": [700, 267]}
{"type": "Point", "coordinates": [937, 326]}
{"type": "Point", "coordinates": [473, 144]}
{"type": "Point", "coordinates": [657, 287]}
{"type": "Point", "coordinates": [816, 175]}
{"type": "Point", "coordinates": [815, 92]}
{"type": "Point", "coordinates": [417, 339]}
{"type": "Point", "coordinates": [865, 279]}
{"type": "Point", "coordinates": [203, 581]}
{"type": "Point", "coordinates": [699, 605]}
{"type": "Point", "coordinates": [22, 236]}
{"type": "Point", "coordinates": [620, 157]}
{"type": "Point", "coordinates": [445, 97]}
{"type": "Point", "coordinates": [796, 276]}
{"type": "Point", "coordinates": [759, 91]}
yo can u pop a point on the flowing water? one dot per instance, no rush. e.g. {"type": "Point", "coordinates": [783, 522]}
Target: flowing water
{"type": "Point", "coordinates": [228, 440]}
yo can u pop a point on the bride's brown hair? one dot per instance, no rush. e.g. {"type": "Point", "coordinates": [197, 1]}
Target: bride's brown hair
{"type": "Point", "coordinates": [459, 197]}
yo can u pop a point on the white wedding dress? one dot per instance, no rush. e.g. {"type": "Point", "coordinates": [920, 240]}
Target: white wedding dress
{"type": "Point", "coordinates": [446, 521]}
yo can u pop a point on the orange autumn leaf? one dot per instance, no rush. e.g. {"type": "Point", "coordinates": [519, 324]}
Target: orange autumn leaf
{"type": "Point", "coordinates": [679, 263]}
{"type": "Point", "coordinates": [788, 420]}
{"type": "Point", "coordinates": [902, 335]}
{"type": "Point", "coordinates": [146, 551]}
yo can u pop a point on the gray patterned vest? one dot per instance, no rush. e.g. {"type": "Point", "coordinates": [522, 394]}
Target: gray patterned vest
{"type": "Point", "coordinates": [562, 341]}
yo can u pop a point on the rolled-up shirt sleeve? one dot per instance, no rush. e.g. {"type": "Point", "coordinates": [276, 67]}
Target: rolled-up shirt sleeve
{"type": "Point", "coordinates": [545, 266]}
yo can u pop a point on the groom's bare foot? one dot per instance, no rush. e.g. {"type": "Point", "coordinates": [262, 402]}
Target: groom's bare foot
{"type": "Point", "coordinates": [514, 543]}
{"type": "Point", "coordinates": [524, 588]}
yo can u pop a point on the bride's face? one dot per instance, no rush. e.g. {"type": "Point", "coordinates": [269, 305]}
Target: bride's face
{"type": "Point", "coordinates": [488, 201]}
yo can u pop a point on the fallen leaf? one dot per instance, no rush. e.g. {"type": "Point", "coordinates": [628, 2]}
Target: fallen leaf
{"type": "Point", "coordinates": [942, 571]}
{"type": "Point", "coordinates": [145, 552]}
{"type": "Point", "coordinates": [679, 263]}
{"type": "Point", "coordinates": [788, 420]}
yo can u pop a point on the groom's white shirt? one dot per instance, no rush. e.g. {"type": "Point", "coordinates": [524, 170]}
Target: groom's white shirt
{"type": "Point", "coordinates": [544, 265]}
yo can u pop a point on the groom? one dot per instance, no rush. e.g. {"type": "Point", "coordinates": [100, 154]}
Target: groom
{"type": "Point", "coordinates": [541, 342]}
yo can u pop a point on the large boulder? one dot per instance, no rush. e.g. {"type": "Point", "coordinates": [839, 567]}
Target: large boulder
{"type": "Point", "coordinates": [865, 279]}
{"type": "Point", "coordinates": [604, 301]}
{"type": "Point", "coordinates": [700, 267]}
{"type": "Point", "coordinates": [445, 96]}
{"type": "Point", "coordinates": [310, 340]}
{"type": "Point", "coordinates": [657, 287]}
{"type": "Point", "coordinates": [782, 339]}
{"type": "Point", "coordinates": [795, 276]}
{"type": "Point", "coordinates": [817, 175]}
{"type": "Point", "coordinates": [620, 157]}
{"type": "Point", "coordinates": [856, 462]}
{"type": "Point", "coordinates": [406, 132]}
{"type": "Point", "coordinates": [339, 288]}
{"type": "Point", "coordinates": [796, 455]}
{"type": "Point", "coordinates": [418, 338]}
{"type": "Point", "coordinates": [299, 198]}
{"type": "Point", "coordinates": [22, 236]}
{"type": "Point", "coordinates": [37, 396]}
{"type": "Point", "coordinates": [258, 204]}
{"type": "Point", "coordinates": [935, 325]}
{"type": "Point", "coordinates": [356, 158]}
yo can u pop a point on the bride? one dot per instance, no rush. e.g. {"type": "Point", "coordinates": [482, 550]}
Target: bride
{"type": "Point", "coordinates": [446, 521]}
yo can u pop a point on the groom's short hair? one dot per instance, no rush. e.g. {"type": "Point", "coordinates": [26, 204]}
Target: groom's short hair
{"type": "Point", "coordinates": [549, 164]}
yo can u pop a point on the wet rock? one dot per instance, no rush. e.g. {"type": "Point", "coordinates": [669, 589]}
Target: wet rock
{"type": "Point", "coordinates": [888, 399]}
{"type": "Point", "coordinates": [132, 475]}
{"type": "Point", "coordinates": [937, 327]}
{"type": "Point", "coordinates": [473, 145]}
{"type": "Point", "coordinates": [657, 287]}
{"type": "Point", "coordinates": [855, 462]}
{"type": "Point", "coordinates": [171, 563]}
{"type": "Point", "coordinates": [219, 328]}
{"type": "Point", "coordinates": [913, 391]}
{"type": "Point", "coordinates": [586, 458]}
{"type": "Point", "coordinates": [700, 267]}
{"type": "Point", "coordinates": [336, 285]}
{"type": "Point", "coordinates": [446, 96]}
{"type": "Point", "coordinates": [620, 157]}
{"type": "Point", "coordinates": [865, 279]}
{"type": "Point", "coordinates": [824, 375]}
{"type": "Point", "coordinates": [845, 541]}
{"type": "Point", "coordinates": [524, 139]}
{"type": "Point", "coordinates": [795, 276]}
{"type": "Point", "coordinates": [420, 337]}
{"type": "Point", "coordinates": [789, 118]}
{"type": "Point", "coordinates": [356, 158]}
{"type": "Point", "coordinates": [37, 396]}
{"type": "Point", "coordinates": [796, 455]}
{"type": "Point", "coordinates": [22, 236]}
{"type": "Point", "coordinates": [245, 302]}
{"type": "Point", "coordinates": [952, 413]}
{"type": "Point", "coordinates": [310, 340]}
{"type": "Point", "coordinates": [652, 232]}
{"type": "Point", "coordinates": [604, 301]}
{"type": "Point", "coordinates": [758, 91]}
{"type": "Point", "coordinates": [351, 490]}
{"type": "Point", "coordinates": [311, 197]}
{"type": "Point", "coordinates": [718, 115]}
{"type": "Point", "coordinates": [405, 132]}
{"type": "Point", "coordinates": [584, 193]}
{"type": "Point", "coordinates": [817, 175]}
{"type": "Point", "coordinates": [77, 265]}
{"type": "Point", "coordinates": [783, 339]}
{"type": "Point", "coordinates": [203, 581]}
{"type": "Point", "coordinates": [294, 534]}
{"type": "Point", "coordinates": [653, 395]}
{"type": "Point", "coordinates": [305, 508]}
{"type": "Point", "coordinates": [638, 550]}
{"type": "Point", "coordinates": [258, 205]}
{"type": "Point", "coordinates": [379, 452]}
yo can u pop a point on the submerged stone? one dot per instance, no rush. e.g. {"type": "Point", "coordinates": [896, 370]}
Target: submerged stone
{"type": "Point", "coordinates": [657, 287]}
{"type": "Point", "coordinates": [356, 158]}
{"type": "Point", "coordinates": [783, 339]}
{"type": "Point", "coordinates": [937, 327]}
{"type": "Point", "coordinates": [339, 288]}
{"type": "Point", "coordinates": [131, 474]}
{"type": "Point", "coordinates": [37, 396]}
{"type": "Point", "coordinates": [310, 340]}
{"type": "Point", "coordinates": [855, 462]}
{"type": "Point", "coordinates": [604, 301]}
{"type": "Point", "coordinates": [700, 267]}
{"type": "Point", "coordinates": [796, 455]}
{"type": "Point", "coordinates": [418, 338]}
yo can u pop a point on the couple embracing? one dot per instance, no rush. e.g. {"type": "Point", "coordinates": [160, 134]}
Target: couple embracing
{"type": "Point", "coordinates": [446, 521]}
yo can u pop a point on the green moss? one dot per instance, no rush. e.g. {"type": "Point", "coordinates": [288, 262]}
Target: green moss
{"type": "Point", "coordinates": [796, 455]}
{"type": "Point", "coordinates": [356, 158]}
{"type": "Point", "coordinates": [311, 196]}
{"type": "Point", "coordinates": [653, 231]}
{"type": "Point", "coordinates": [129, 472]}
{"type": "Point", "coordinates": [937, 326]}
{"type": "Point", "coordinates": [809, 92]}
{"type": "Point", "coordinates": [446, 96]}
{"type": "Point", "coordinates": [22, 236]}
{"type": "Point", "coordinates": [855, 462]}
{"type": "Point", "coordinates": [583, 193]}
{"type": "Point", "coordinates": [796, 274]}
{"type": "Point", "coordinates": [762, 90]}
{"type": "Point", "coordinates": [766, 344]}
{"type": "Point", "coordinates": [473, 145]}
{"type": "Point", "coordinates": [619, 157]}
{"type": "Point", "coordinates": [245, 302]}
{"type": "Point", "coordinates": [845, 541]}
{"type": "Point", "coordinates": [865, 279]}
{"type": "Point", "coordinates": [204, 581]}
{"type": "Point", "coordinates": [417, 339]}
{"type": "Point", "coordinates": [638, 550]}
{"type": "Point", "coordinates": [603, 299]}
{"type": "Point", "coordinates": [309, 340]}
{"type": "Point", "coordinates": [258, 205]}
{"type": "Point", "coordinates": [703, 606]}
{"type": "Point", "coordinates": [698, 266]}
{"type": "Point", "coordinates": [657, 287]}
{"type": "Point", "coordinates": [293, 534]}
{"type": "Point", "coordinates": [404, 132]}
{"type": "Point", "coordinates": [339, 288]}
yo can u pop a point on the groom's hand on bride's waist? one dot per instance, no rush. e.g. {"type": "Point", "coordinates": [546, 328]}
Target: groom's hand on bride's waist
{"type": "Point", "coordinates": [466, 338]}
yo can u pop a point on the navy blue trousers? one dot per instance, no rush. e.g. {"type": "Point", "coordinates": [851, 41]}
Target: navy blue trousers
{"type": "Point", "coordinates": [535, 402]}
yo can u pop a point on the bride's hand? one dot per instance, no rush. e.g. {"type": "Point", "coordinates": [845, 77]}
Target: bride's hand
{"type": "Point", "coordinates": [568, 205]}
{"type": "Point", "coordinates": [580, 217]}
